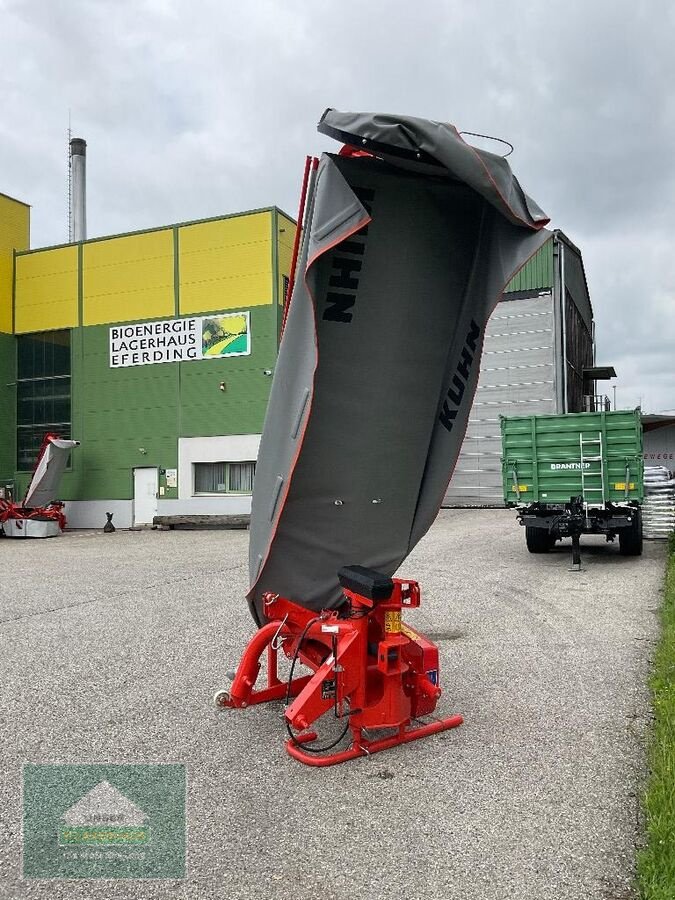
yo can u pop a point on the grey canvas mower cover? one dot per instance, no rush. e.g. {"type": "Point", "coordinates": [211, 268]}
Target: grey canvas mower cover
{"type": "Point", "coordinates": [406, 250]}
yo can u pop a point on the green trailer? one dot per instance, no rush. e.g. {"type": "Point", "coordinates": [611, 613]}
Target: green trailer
{"type": "Point", "coordinates": [573, 474]}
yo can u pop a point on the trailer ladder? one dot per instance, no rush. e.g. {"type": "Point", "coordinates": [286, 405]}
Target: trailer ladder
{"type": "Point", "coordinates": [586, 490]}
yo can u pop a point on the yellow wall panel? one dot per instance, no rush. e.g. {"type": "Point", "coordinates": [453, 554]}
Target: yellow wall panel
{"type": "Point", "coordinates": [14, 235]}
{"type": "Point", "coordinates": [46, 290]}
{"type": "Point", "coordinates": [127, 278]}
{"type": "Point", "coordinates": [226, 264]}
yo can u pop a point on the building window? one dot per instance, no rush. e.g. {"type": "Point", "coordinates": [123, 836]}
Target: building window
{"type": "Point", "coordinates": [224, 478]}
{"type": "Point", "coordinates": [42, 392]}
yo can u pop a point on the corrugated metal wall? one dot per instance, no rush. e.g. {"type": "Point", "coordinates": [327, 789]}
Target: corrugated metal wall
{"type": "Point", "coordinates": [536, 274]}
{"type": "Point", "coordinates": [659, 447]}
{"type": "Point", "coordinates": [7, 407]}
{"type": "Point", "coordinates": [46, 294]}
{"type": "Point", "coordinates": [579, 354]}
{"type": "Point", "coordinates": [197, 267]}
{"type": "Point", "coordinates": [522, 359]}
{"type": "Point", "coordinates": [14, 235]}
{"type": "Point", "coordinates": [229, 259]}
{"type": "Point", "coordinates": [127, 278]}
{"type": "Point", "coordinates": [116, 411]}
{"type": "Point", "coordinates": [516, 378]}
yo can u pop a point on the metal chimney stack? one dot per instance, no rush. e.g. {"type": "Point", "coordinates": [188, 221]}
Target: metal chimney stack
{"type": "Point", "coordinates": [78, 199]}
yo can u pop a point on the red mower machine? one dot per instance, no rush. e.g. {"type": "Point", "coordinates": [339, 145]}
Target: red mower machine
{"type": "Point", "coordinates": [406, 239]}
{"type": "Point", "coordinates": [369, 669]}
{"type": "Point", "coordinates": [39, 515]}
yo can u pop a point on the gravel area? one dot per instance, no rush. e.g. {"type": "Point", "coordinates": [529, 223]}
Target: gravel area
{"type": "Point", "coordinates": [113, 645]}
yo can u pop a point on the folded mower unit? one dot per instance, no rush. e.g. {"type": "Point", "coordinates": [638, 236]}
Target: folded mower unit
{"type": "Point", "coordinates": [409, 237]}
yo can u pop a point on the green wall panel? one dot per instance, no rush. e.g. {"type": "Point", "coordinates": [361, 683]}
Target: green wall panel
{"type": "Point", "coordinates": [537, 273]}
{"type": "Point", "coordinates": [239, 409]}
{"type": "Point", "coordinates": [116, 412]}
{"type": "Point", "coordinates": [7, 407]}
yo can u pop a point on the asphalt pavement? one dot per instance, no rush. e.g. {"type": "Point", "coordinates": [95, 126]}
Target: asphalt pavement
{"type": "Point", "coordinates": [113, 645]}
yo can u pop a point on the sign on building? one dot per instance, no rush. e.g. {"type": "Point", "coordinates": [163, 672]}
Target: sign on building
{"type": "Point", "coordinates": [180, 340]}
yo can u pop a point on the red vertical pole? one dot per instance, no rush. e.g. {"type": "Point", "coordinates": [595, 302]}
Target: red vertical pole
{"type": "Point", "coordinates": [310, 163]}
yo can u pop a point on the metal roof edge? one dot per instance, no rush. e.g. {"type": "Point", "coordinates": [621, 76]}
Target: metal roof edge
{"type": "Point", "coordinates": [285, 215]}
{"type": "Point", "coordinates": [168, 227]}
{"type": "Point", "coordinates": [658, 418]}
{"type": "Point", "coordinates": [560, 235]}
{"type": "Point", "coordinates": [15, 199]}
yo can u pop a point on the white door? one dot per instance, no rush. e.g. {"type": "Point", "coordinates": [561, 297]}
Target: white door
{"type": "Point", "coordinates": [146, 483]}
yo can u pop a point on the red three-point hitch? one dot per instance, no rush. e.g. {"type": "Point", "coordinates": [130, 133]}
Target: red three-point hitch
{"type": "Point", "coordinates": [369, 669]}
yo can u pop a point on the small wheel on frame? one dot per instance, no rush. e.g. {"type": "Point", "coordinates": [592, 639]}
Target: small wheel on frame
{"type": "Point", "coordinates": [221, 699]}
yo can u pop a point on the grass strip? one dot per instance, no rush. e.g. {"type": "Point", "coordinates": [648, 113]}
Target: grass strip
{"type": "Point", "coordinates": [656, 863]}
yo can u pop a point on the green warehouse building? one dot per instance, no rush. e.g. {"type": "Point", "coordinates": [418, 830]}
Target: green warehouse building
{"type": "Point", "coordinates": [154, 349]}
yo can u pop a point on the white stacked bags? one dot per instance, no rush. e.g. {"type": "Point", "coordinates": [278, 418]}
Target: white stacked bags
{"type": "Point", "coordinates": [658, 509]}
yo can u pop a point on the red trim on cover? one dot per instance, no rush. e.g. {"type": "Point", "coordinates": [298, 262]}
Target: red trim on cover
{"type": "Point", "coordinates": [536, 226]}
{"type": "Point", "coordinates": [349, 151]}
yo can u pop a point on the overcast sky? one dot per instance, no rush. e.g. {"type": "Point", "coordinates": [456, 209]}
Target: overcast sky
{"type": "Point", "coordinates": [198, 109]}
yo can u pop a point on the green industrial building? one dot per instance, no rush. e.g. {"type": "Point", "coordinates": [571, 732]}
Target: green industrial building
{"type": "Point", "coordinates": [154, 349]}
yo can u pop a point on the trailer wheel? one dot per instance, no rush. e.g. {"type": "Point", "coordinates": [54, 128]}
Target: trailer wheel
{"type": "Point", "coordinates": [538, 540]}
{"type": "Point", "coordinates": [630, 539]}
